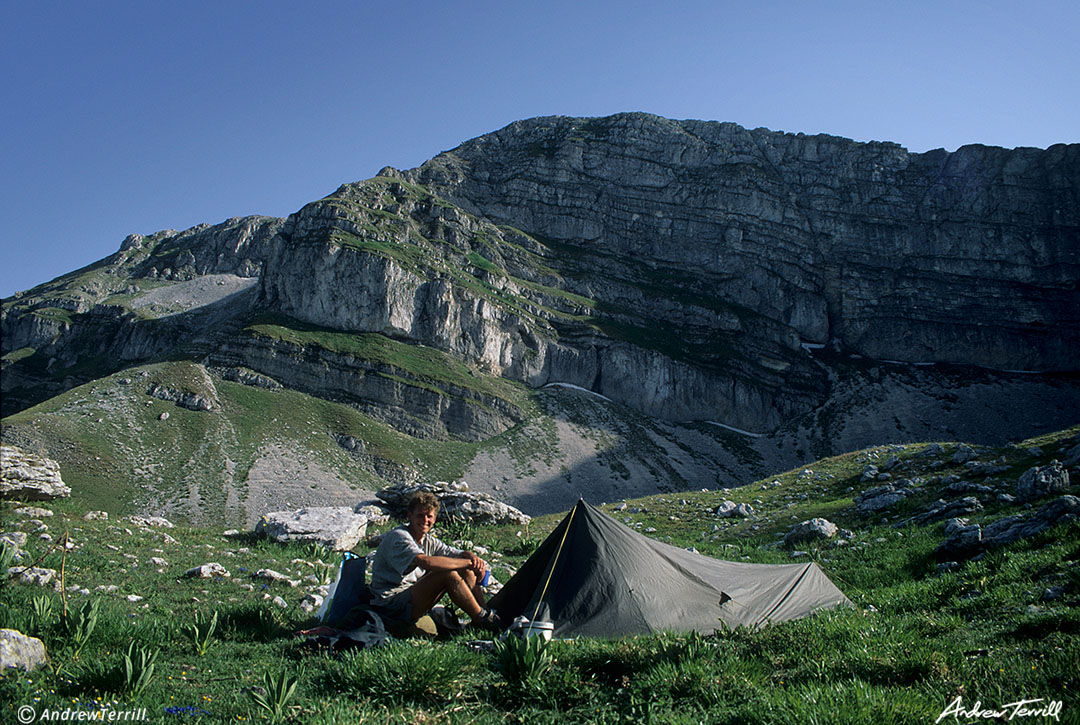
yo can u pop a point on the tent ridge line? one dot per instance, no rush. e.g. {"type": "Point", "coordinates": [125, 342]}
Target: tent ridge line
{"type": "Point", "coordinates": [787, 594]}
{"type": "Point", "coordinates": [554, 563]}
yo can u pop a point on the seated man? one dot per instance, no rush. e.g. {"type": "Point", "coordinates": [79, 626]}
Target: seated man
{"type": "Point", "coordinates": [413, 569]}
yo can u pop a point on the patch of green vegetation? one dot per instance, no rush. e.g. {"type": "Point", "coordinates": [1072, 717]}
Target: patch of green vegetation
{"type": "Point", "coordinates": [476, 260]}
{"type": "Point", "coordinates": [21, 354]}
{"type": "Point", "coordinates": [571, 297]}
{"type": "Point", "coordinates": [54, 314]}
{"type": "Point", "coordinates": [181, 375]}
{"type": "Point", "coordinates": [408, 255]}
{"type": "Point", "coordinates": [416, 362]}
{"type": "Point", "coordinates": [534, 440]}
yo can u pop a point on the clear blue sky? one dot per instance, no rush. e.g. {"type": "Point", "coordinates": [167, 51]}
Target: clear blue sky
{"type": "Point", "coordinates": [123, 117]}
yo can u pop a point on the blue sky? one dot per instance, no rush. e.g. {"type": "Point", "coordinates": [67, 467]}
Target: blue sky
{"type": "Point", "coordinates": [122, 117]}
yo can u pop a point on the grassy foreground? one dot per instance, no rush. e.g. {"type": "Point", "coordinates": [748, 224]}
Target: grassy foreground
{"type": "Point", "coordinates": [915, 641]}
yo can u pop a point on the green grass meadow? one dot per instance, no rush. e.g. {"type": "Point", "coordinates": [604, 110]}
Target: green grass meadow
{"type": "Point", "coordinates": [914, 641]}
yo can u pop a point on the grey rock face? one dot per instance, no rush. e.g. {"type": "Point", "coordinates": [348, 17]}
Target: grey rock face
{"type": "Point", "coordinates": [336, 527]}
{"type": "Point", "coordinates": [120, 333]}
{"type": "Point", "coordinates": [966, 487]}
{"type": "Point", "coordinates": [1042, 480]}
{"type": "Point", "coordinates": [16, 539]}
{"type": "Point", "coordinates": [675, 192]}
{"type": "Point", "coordinates": [247, 377]}
{"type": "Point", "coordinates": [1072, 456]}
{"type": "Point", "coordinates": [275, 576]}
{"type": "Point", "coordinates": [34, 576]}
{"type": "Point", "coordinates": [156, 522]}
{"type": "Point", "coordinates": [816, 529]}
{"type": "Point", "coordinates": [963, 541]}
{"type": "Point", "coordinates": [454, 503]}
{"type": "Point", "coordinates": [964, 454]}
{"type": "Point", "coordinates": [374, 513]}
{"type": "Point", "coordinates": [191, 401]}
{"type": "Point", "coordinates": [29, 477]}
{"type": "Point", "coordinates": [20, 651]}
{"type": "Point", "coordinates": [880, 498]}
{"type": "Point", "coordinates": [33, 512]}
{"type": "Point", "coordinates": [677, 267]}
{"type": "Point", "coordinates": [386, 392]}
{"type": "Point", "coordinates": [942, 509]}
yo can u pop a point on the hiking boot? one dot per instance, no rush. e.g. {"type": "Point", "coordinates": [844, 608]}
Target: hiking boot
{"type": "Point", "coordinates": [489, 620]}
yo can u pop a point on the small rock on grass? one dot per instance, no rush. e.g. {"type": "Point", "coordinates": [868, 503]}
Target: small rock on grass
{"type": "Point", "coordinates": [208, 571]}
{"type": "Point", "coordinates": [33, 512]}
{"type": "Point", "coordinates": [20, 651]}
{"type": "Point", "coordinates": [272, 575]}
{"type": "Point", "coordinates": [34, 575]}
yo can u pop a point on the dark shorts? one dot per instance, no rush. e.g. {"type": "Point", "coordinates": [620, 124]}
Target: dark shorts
{"type": "Point", "coordinates": [396, 607]}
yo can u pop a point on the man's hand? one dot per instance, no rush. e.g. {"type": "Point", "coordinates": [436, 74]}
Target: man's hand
{"type": "Point", "coordinates": [476, 564]}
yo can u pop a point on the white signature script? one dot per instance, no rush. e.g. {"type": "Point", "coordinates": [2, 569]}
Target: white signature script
{"type": "Point", "coordinates": [1020, 708]}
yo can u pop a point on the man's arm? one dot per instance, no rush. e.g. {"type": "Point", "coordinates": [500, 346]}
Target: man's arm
{"type": "Point", "coordinates": [467, 560]}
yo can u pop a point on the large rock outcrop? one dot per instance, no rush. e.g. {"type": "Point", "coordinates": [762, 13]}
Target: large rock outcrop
{"type": "Point", "coordinates": [456, 502]}
{"type": "Point", "coordinates": [29, 477]}
{"type": "Point", "coordinates": [338, 528]}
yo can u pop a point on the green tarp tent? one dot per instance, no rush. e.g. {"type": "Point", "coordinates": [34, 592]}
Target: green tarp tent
{"type": "Point", "coordinates": [593, 576]}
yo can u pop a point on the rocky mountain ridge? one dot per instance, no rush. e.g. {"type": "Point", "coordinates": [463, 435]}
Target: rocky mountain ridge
{"type": "Point", "coordinates": [829, 237]}
{"type": "Point", "coordinates": [691, 271]}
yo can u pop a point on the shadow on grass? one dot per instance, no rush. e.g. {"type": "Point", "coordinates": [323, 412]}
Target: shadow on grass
{"type": "Point", "coordinates": [1043, 625]}
{"type": "Point", "coordinates": [253, 622]}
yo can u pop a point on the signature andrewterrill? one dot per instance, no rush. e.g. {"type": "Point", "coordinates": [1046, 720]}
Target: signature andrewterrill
{"type": "Point", "coordinates": [1038, 707]}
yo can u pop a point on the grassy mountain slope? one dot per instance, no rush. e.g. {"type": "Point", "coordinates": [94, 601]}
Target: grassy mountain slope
{"type": "Point", "coordinates": [916, 639]}
{"type": "Point", "coordinates": [260, 450]}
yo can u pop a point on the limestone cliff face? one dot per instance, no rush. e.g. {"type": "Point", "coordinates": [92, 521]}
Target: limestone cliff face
{"type": "Point", "coordinates": [385, 256]}
{"type": "Point", "coordinates": [968, 257]}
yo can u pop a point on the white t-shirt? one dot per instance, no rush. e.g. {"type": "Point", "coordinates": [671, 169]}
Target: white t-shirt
{"type": "Point", "coordinates": [392, 570]}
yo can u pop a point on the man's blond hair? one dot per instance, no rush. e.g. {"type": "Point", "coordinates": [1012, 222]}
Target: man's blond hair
{"type": "Point", "coordinates": [424, 500]}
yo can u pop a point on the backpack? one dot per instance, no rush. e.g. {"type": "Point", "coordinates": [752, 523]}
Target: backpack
{"type": "Point", "coordinates": [348, 591]}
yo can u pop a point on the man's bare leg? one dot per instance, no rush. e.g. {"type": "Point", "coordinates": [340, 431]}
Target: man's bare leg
{"type": "Point", "coordinates": [461, 586]}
